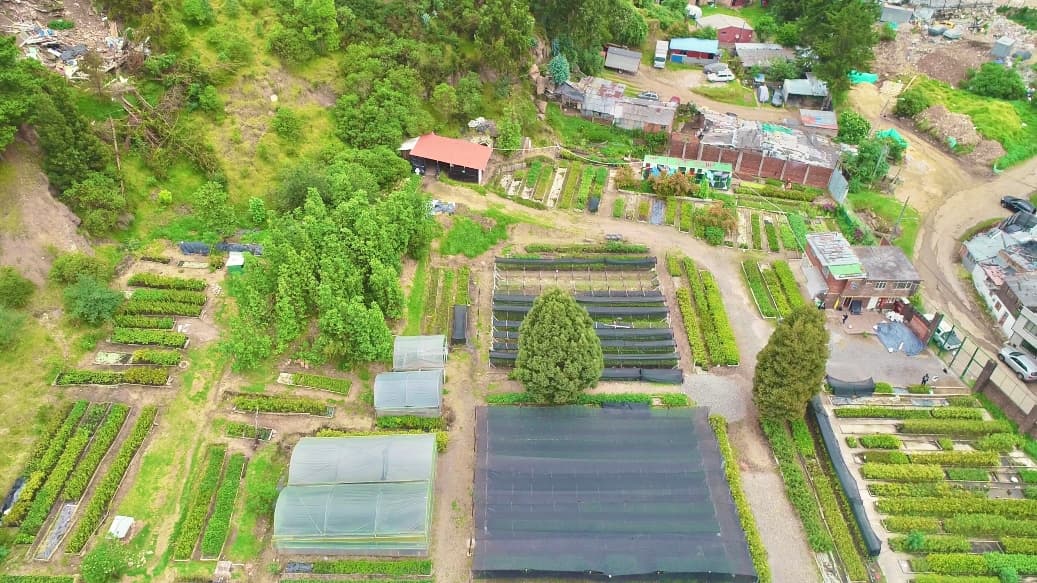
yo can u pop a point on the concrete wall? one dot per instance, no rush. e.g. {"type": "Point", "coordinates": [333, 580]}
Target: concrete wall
{"type": "Point", "coordinates": [751, 164]}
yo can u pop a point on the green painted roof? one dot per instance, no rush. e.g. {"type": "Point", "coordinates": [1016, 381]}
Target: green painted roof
{"type": "Point", "coordinates": [848, 270]}
{"type": "Point", "coordinates": [682, 163]}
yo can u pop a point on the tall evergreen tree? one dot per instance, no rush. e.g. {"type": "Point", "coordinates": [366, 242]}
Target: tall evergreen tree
{"type": "Point", "coordinates": [559, 353]}
{"type": "Point", "coordinates": [790, 369]}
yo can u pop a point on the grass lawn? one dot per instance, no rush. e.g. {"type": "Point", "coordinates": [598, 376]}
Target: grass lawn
{"type": "Point", "coordinates": [259, 492]}
{"type": "Point", "coordinates": [734, 93]}
{"type": "Point", "coordinates": [751, 14]}
{"type": "Point", "coordinates": [1013, 124]}
{"type": "Point", "coordinates": [471, 239]}
{"type": "Point", "coordinates": [887, 209]}
{"type": "Point", "coordinates": [611, 142]}
{"type": "Point", "coordinates": [416, 299]}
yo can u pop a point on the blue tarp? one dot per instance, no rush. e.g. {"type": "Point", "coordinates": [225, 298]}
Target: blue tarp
{"type": "Point", "coordinates": [199, 248]}
{"type": "Point", "coordinates": [897, 336]}
{"type": "Point", "coordinates": [861, 77]}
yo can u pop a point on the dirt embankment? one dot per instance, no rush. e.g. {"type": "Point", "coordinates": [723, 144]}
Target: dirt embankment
{"type": "Point", "coordinates": [34, 226]}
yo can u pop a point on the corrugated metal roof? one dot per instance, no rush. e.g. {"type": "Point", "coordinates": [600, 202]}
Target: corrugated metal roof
{"type": "Point", "coordinates": [682, 163]}
{"type": "Point", "coordinates": [622, 59]}
{"type": "Point", "coordinates": [886, 263]}
{"type": "Point", "coordinates": [835, 253]}
{"type": "Point", "coordinates": [452, 151]}
{"type": "Point", "coordinates": [811, 87]}
{"type": "Point", "coordinates": [815, 118]}
{"type": "Point", "coordinates": [600, 95]}
{"type": "Point", "coordinates": [697, 45]}
{"type": "Point", "coordinates": [763, 54]}
{"type": "Point", "coordinates": [646, 111]}
{"type": "Point", "coordinates": [896, 14]}
{"type": "Point", "coordinates": [719, 21]}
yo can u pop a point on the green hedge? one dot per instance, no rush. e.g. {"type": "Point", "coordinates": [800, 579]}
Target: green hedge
{"type": "Point", "coordinates": [776, 192]}
{"type": "Point", "coordinates": [1000, 442]}
{"type": "Point", "coordinates": [163, 282]}
{"type": "Point", "coordinates": [104, 437]}
{"type": "Point", "coordinates": [36, 579]}
{"type": "Point", "coordinates": [692, 329]}
{"type": "Point", "coordinates": [948, 507]}
{"type": "Point", "coordinates": [953, 427]}
{"type": "Point", "coordinates": [958, 458]}
{"type": "Point", "coordinates": [340, 386]}
{"type": "Point", "coordinates": [880, 441]}
{"type": "Point", "coordinates": [968, 474]}
{"type": "Point", "coordinates": [154, 337]}
{"type": "Point", "coordinates": [876, 412]}
{"type": "Point", "coordinates": [911, 524]}
{"type": "Point", "coordinates": [796, 487]}
{"type": "Point", "coordinates": [168, 295]}
{"type": "Point", "coordinates": [986, 564]}
{"type": "Point", "coordinates": [757, 235]}
{"type": "Point", "coordinates": [930, 578]}
{"type": "Point", "coordinates": [158, 322]}
{"type": "Point", "coordinates": [989, 525]}
{"type": "Point", "coordinates": [88, 377]}
{"type": "Point", "coordinates": [837, 525]}
{"type": "Point", "coordinates": [219, 522]}
{"type": "Point", "coordinates": [279, 404]}
{"type": "Point", "coordinates": [923, 490]}
{"type": "Point", "coordinates": [799, 228]}
{"type": "Point", "coordinates": [788, 283]}
{"type": "Point", "coordinates": [772, 236]}
{"type": "Point", "coordinates": [154, 356]}
{"type": "Point", "coordinates": [757, 550]}
{"type": "Point", "coordinates": [902, 472]}
{"type": "Point", "coordinates": [146, 375]}
{"type": "Point", "coordinates": [883, 389]}
{"type": "Point", "coordinates": [885, 456]}
{"type": "Point", "coordinates": [397, 568]}
{"type": "Point", "coordinates": [190, 526]}
{"type": "Point", "coordinates": [957, 413]}
{"type": "Point", "coordinates": [105, 491]}
{"type": "Point", "coordinates": [802, 438]}
{"type": "Point", "coordinates": [720, 339]}
{"type": "Point", "coordinates": [156, 308]}
{"type": "Point", "coordinates": [758, 289]}
{"type": "Point", "coordinates": [932, 544]}
{"type": "Point", "coordinates": [774, 287]}
{"type": "Point", "coordinates": [1019, 545]}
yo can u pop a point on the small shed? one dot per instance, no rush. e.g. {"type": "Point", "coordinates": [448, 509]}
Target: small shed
{"type": "Point", "coordinates": [810, 92]}
{"type": "Point", "coordinates": [896, 15]}
{"type": "Point", "coordinates": [121, 526]}
{"type": "Point", "coordinates": [694, 51]}
{"type": "Point", "coordinates": [416, 392]}
{"type": "Point", "coordinates": [419, 353]}
{"type": "Point", "coordinates": [459, 325]}
{"type": "Point", "coordinates": [622, 59]}
{"type": "Point", "coordinates": [730, 29]}
{"type": "Point", "coordinates": [235, 262]}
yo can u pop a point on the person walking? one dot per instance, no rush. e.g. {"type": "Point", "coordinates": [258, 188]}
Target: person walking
{"type": "Point", "coordinates": [845, 317]}
{"type": "Point", "coordinates": [925, 379]}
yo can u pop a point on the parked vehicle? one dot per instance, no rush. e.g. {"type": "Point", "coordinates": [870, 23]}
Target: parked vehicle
{"type": "Point", "coordinates": [721, 77]}
{"type": "Point", "coordinates": [648, 95]}
{"type": "Point", "coordinates": [945, 337]}
{"type": "Point", "coordinates": [1023, 364]}
{"type": "Point", "coordinates": [779, 98]}
{"type": "Point", "coordinates": [1016, 204]}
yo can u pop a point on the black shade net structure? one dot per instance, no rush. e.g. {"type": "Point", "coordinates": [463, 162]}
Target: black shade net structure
{"type": "Point", "coordinates": [618, 493]}
{"type": "Point", "coordinates": [846, 480]}
{"type": "Point", "coordinates": [596, 311]}
{"type": "Point", "coordinates": [648, 298]}
{"type": "Point", "coordinates": [843, 388]}
{"type": "Point", "coordinates": [459, 325]}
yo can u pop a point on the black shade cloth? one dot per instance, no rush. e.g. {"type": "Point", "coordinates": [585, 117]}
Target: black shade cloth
{"type": "Point", "coordinates": [616, 492]}
{"type": "Point", "coordinates": [459, 326]}
{"type": "Point", "coordinates": [843, 388]}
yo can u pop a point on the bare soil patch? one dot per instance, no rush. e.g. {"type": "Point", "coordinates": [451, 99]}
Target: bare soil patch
{"type": "Point", "coordinates": [943, 124]}
{"type": "Point", "coordinates": [951, 61]}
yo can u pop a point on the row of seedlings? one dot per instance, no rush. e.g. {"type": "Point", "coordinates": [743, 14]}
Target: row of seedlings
{"type": "Point", "coordinates": [952, 484]}
{"type": "Point", "coordinates": [774, 288]}
{"type": "Point", "coordinates": [439, 300]}
{"type": "Point", "coordinates": [211, 504]}
{"type": "Point", "coordinates": [714, 325]}
{"type": "Point", "coordinates": [631, 321]}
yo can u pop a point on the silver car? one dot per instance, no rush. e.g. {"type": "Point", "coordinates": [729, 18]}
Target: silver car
{"type": "Point", "coordinates": [1023, 364]}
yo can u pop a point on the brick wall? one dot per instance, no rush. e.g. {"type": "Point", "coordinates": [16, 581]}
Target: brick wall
{"type": "Point", "coordinates": [749, 164]}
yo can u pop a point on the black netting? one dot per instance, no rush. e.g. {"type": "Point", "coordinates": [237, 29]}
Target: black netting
{"type": "Point", "coordinates": [614, 492]}
{"type": "Point", "coordinates": [506, 353]}
{"type": "Point", "coordinates": [609, 346]}
{"type": "Point", "coordinates": [194, 248]}
{"type": "Point", "coordinates": [593, 203]}
{"type": "Point", "coordinates": [582, 299]}
{"type": "Point", "coordinates": [662, 376]}
{"type": "Point", "coordinates": [846, 480]}
{"type": "Point", "coordinates": [600, 311]}
{"type": "Point", "coordinates": [843, 388]}
{"type": "Point", "coordinates": [459, 327]}
{"type": "Point", "coordinates": [519, 262]}
{"type": "Point", "coordinates": [621, 374]}
{"type": "Point", "coordinates": [240, 247]}
{"type": "Point", "coordinates": [636, 336]}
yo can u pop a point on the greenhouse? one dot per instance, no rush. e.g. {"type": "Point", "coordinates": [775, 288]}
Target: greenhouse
{"type": "Point", "coordinates": [367, 495]}
{"type": "Point", "coordinates": [416, 392]}
{"type": "Point", "coordinates": [616, 492]}
{"type": "Point", "coordinates": [419, 352]}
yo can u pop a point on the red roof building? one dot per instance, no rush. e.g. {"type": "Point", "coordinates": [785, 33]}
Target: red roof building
{"type": "Point", "coordinates": [462, 160]}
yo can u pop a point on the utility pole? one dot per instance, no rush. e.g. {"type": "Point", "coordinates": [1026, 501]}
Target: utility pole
{"type": "Point", "coordinates": [903, 209]}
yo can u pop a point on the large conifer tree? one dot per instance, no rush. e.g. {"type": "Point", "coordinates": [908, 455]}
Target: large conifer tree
{"type": "Point", "coordinates": [791, 368]}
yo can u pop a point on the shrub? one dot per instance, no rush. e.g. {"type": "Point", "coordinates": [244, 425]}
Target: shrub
{"type": "Point", "coordinates": [945, 443]}
{"type": "Point", "coordinates": [851, 441]}
{"type": "Point", "coordinates": [988, 525]}
{"type": "Point", "coordinates": [1019, 545]}
{"type": "Point", "coordinates": [754, 222]}
{"type": "Point", "coordinates": [994, 80]}
{"type": "Point", "coordinates": [886, 457]}
{"type": "Point", "coordinates": [279, 404]}
{"type": "Point", "coordinates": [968, 474]}
{"type": "Point", "coordinates": [193, 519]}
{"type": "Point", "coordinates": [911, 103]}
{"type": "Point", "coordinates": [157, 322]}
{"type": "Point", "coordinates": [15, 290]}
{"type": "Point", "coordinates": [340, 386]}
{"type": "Point", "coordinates": [957, 458]}
{"type": "Point", "coordinates": [958, 564]}
{"type": "Point", "coordinates": [159, 357]}
{"type": "Point", "coordinates": [869, 411]}
{"type": "Point", "coordinates": [853, 127]}
{"type": "Point", "coordinates": [169, 295]}
{"type": "Point", "coordinates": [154, 280]}
{"type": "Point", "coordinates": [104, 437]}
{"type": "Point", "coordinates": [287, 124]}
{"type": "Point", "coordinates": [69, 267]}
{"type": "Point", "coordinates": [219, 523]}
{"type": "Point", "coordinates": [919, 390]}
{"type": "Point", "coordinates": [618, 207]}
{"type": "Point", "coordinates": [883, 389]}
{"type": "Point", "coordinates": [673, 265]}
{"type": "Point", "coordinates": [796, 487]}
{"type": "Point", "coordinates": [931, 544]}
{"type": "Point", "coordinates": [198, 12]}
{"type": "Point", "coordinates": [923, 490]}
{"type": "Point", "coordinates": [788, 283]}
{"type": "Point", "coordinates": [771, 280]}
{"type": "Point", "coordinates": [105, 491]}
{"type": "Point", "coordinates": [145, 337]}
{"type": "Point", "coordinates": [957, 413]}
{"type": "Point", "coordinates": [691, 328]}
{"type": "Point", "coordinates": [91, 301]}
{"type": "Point", "coordinates": [881, 441]}
{"type": "Point", "coordinates": [758, 289]}
{"type": "Point", "coordinates": [901, 472]}
{"type": "Point", "coordinates": [427, 424]}
{"type": "Point", "coordinates": [964, 401]}
{"type": "Point", "coordinates": [105, 563]}
{"type": "Point", "coordinates": [951, 507]}
{"type": "Point", "coordinates": [757, 550]}
{"type": "Point", "coordinates": [1028, 476]}
{"type": "Point", "coordinates": [802, 438]}
{"type": "Point", "coordinates": [953, 427]}
{"type": "Point", "coordinates": [721, 342]}
{"type": "Point", "coordinates": [911, 524]}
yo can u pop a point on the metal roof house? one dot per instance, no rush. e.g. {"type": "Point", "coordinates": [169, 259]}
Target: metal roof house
{"type": "Point", "coordinates": [460, 159]}
{"type": "Point", "coordinates": [859, 277]}
{"type": "Point", "coordinates": [730, 29]}
{"type": "Point", "coordinates": [368, 495]}
{"type": "Point", "coordinates": [593, 96]}
{"type": "Point", "coordinates": [622, 59]}
{"type": "Point", "coordinates": [645, 114]}
{"type": "Point", "coordinates": [808, 92]}
{"type": "Point", "coordinates": [761, 54]}
{"type": "Point", "coordinates": [419, 353]}
{"type": "Point", "coordinates": [417, 393]}
{"type": "Point", "coordinates": [695, 51]}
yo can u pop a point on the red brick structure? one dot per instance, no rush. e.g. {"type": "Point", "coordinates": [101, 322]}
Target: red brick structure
{"type": "Point", "coordinates": [865, 278]}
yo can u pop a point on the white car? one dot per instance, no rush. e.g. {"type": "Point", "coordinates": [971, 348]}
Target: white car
{"type": "Point", "coordinates": [1023, 364]}
{"type": "Point", "coordinates": [720, 77]}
